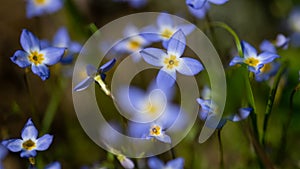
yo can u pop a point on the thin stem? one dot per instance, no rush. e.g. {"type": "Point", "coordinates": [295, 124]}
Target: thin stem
{"type": "Point", "coordinates": [271, 101]}
{"type": "Point", "coordinates": [32, 104]}
{"type": "Point", "coordinates": [221, 149]}
{"type": "Point", "coordinates": [173, 154]}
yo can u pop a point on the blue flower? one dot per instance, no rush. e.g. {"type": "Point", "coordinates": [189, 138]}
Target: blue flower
{"type": "Point", "coordinates": [155, 163]}
{"type": "Point", "coordinates": [165, 29]}
{"type": "Point", "coordinates": [54, 165]}
{"type": "Point", "coordinates": [40, 7]}
{"type": "Point", "coordinates": [267, 71]}
{"type": "Point", "coordinates": [3, 153]}
{"type": "Point", "coordinates": [29, 143]}
{"type": "Point", "coordinates": [172, 61]}
{"type": "Point", "coordinates": [133, 42]}
{"type": "Point", "coordinates": [96, 75]}
{"type": "Point", "coordinates": [62, 39]}
{"type": "Point", "coordinates": [32, 54]}
{"type": "Point", "coordinates": [125, 162]}
{"type": "Point", "coordinates": [199, 8]}
{"type": "Point", "coordinates": [280, 42]}
{"type": "Point", "coordinates": [253, 60]}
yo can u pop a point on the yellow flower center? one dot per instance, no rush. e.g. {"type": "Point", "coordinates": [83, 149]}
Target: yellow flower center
{"type": "Point", "coordinates": [134, 45]}
{"type": "Point", "coordinates": [40, 2]}
{"type": "Point", "coordinates": [155, 130]}
{"type": "Point", "coordinates": [267, 67]}
{"type": "Point", "coordinates": [171, 62]}
{"type": "Point", "coordinates": [151, 108]}
{"type": "Point", "coordinates": [36, 58]}
{"type": "Point", "coordinates": [167, 33]}
{"type": "Point", "coordinates": [28, 145]}
{"type": "Point", "coordinates": [252, 61]}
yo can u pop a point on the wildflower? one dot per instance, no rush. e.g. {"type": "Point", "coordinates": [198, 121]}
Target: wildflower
{"type": "Point", "coordinates": [267, 71]}
{"type": "Point", "coordinates": [171, 61]}
{"type": "Point", "coordinates": [134, 42]}
{"type": "Point", "coordinates": [280, 42]}
{"type": "Point", "coordinates": [3, 153]}
{"type": "Point", "coordinates": [40, 7]}
{"type": "Point", "coordinates": [125, 162]}
{"type": "Point", "coordinates": [165, 29]}
{"type": "Point", "coordinates": [54, 165]}
{"type": "Point", "coordinates": [96, 75]}
{"type": "Point", "coordinates": [62, 39]}
{"type": "Point", "coordinates": [199, 8]}
{"type": "Point", "coordinates": [253, 60]}
{"type": "Point", "coordinates": [29, 143]}
{"type": "Point", "coordinates": [155, 163]}
{"type": "Point", "coordinates": [32, 54]}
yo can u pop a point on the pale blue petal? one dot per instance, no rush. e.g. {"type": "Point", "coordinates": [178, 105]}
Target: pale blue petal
{"type": "Point", "coordinates": [74, 47]}
{"type": "Point", "coordinates": [267, 57]}
{"type": "Point", "coordinates": [177, 43]}
{"type": "Point", "coordinates": [218, 2]}
{"type": "Point", "coordinates": [127, 163]}
{"type": "Point", "coordinates": [54, 6]}
{"type": "Point", "coordinates": [153, 56]}
{"type": "Point", "coordinates": [41, 70]}
{"type": "Point", "coordinates": [282, 41]}
{"type": "Point", "coordinates": [187, 28]}
{"type": "Point", "coordinates": [107, 66]}
{"type": "Point", "coordinates": [243, 114]}
{"type": "Point", "coordinates": [61, 38]}
{"type": "Point", "coordinates": [177, 163]}
{"type": "Point", "coordinates": [21, 59]}
{"type": "Point", "coordinates": [137, 98]}
{"type": "Point", "coordinates": [54, 165]}
{"type": "Point", "coordinates": [212, 120]}
{"type": "Point", "coordinates": [84, 84]}
{"type": "Point", "coordinates": [169, 116]}
{"type": "Point", "coordinates": [138, 130]}
{"type": "Point", "coordinates": [236, 60]}
{"type": "Point", "coordinates": [15, 145]}
{"type": "Point", "coordinates": [165, 79]}
{"type": "Point", "coordinates": [137, 3]}
{"type": "Point", "coordinates": [164, 19]}
{"type": "Point", "coordinates": [27, 154]}
{"type": "Point", "coordinates": [199, 13]}
{"type": "Point", "coordinates": [44, 142]}
{"type": "Point", "coordinates": [164, 138]}
{"type": "Point", "coordinates": [249, 51]}
{"type": "Point", "coordinates": [29, 131]}
{"type": "Point", "coordinates": [267, 46]}
{"type": "Point", "coordinates": [44, 43]}
{"type": "Point", "coordinates": [165, 43]}
{"type": "Point", "coordinates": [3, 152]}
{"type": "Point", "coordinates": [169, 92]}
{"type": "Point", "coordinates": [52, 55]}
{"type": "Point", "coordinates": [155, 163]}
{"type": "Point", "coordinates": [196, 4]}
{"type": "Point", "coordinates": [91, 70]}
{"type": "Point", "coordinates": [29, 41]}
{"type": "Point", "coordinates": [150, 33]}
{"type": "Point", "coordinates": [189, 66]}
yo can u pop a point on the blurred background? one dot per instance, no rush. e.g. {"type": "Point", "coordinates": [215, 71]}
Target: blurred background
{"type": "Point", "coordinates": [253, 21]}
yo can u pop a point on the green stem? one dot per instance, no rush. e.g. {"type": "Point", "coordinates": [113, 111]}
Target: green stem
{"type": "Point", "coordinates": [271, 100]}
{"type": "Point", "coordinates": [93, 28]}
{"type": "Point", "coordinates": [221, 150]}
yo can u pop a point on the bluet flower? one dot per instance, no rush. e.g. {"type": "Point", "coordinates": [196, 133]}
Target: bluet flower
{"type": "Point", "coordinates": [125, 162]}
{"type": "Point", "coordinates": [267, 71]}
{"type": "Point", "coordinates": [35, 56]}
{"type": "Point", "coordinates": [199, 8]}
{"type": "Point", "coordinates": [40, 7]}
{"type": "Point", "coordinates": [155, 163]}
{"type": "Point", "coordinates": [172, 60]}
{"type": "Point", "coordinates": [62, 39]}
{"type": "Point", "coordinates": [280, 42]}
{"type": "Point", "coordinates": [3, 153]}
{"type": "Point", "coordinates": [96, 75]}
{"type": "Point", "coordinates": [166, 27]}
{"type": "Point", "coordinates": [253, 60]}
{"type": "Point", "coordinates": [29, 143]}
{"type": "Point", "coordinates": [54, 165]}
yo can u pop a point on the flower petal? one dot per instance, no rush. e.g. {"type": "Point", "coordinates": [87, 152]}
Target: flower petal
{"type": "Point", "coordinates": [84, 84]}
{"type": "Point", "coordinates": [155, 163]}
{"type": "Point", "coordinates": [196, 4]}
{"type": "Point", "coordinates": [108, 65]}
{"type": "Point", "coordinates": [61, 38]}
{"type": "Point", "coordinates": [199, 13]}
{"type": "Point", "coordinates": [218, 2]}
{"type": "Point", "coordinates": [29, 131]}
{"type": "Point", "coordinates": [165, 79]}
{"type": "Point", "coordinates": [164, 138]}
{"type": "Point", "coordinates": [177, 163]}
{"type": "Point", "coordinates": [243, 114]}
{"type": "Point", "coordinates": [236, 60]}
{"type": "Point", "coordinates": [20, 58]}
{"type": "Point", "coordinates": [187, 28]}
{"type": "Point", "coordinates": [3, 152]}
{"type": "Point", "coordinates": [153, 56]}
{"type": "Point", "coordinates": [267, 57]}
{"type": "Point", "coordinates": [15, 145]}
{"type": "Point", "coordinates": [52, 55]}
{"type": "Point", "coordinates": [150, 33]}
{"type": "Point", "coordinates": [44, 142]}
{"type": "Point", "coordinates": [27, 154]}
{"type": "Point", "coordinates": [282, 41]}
{"type": "Point", "coordinates": [177, 43]}
{"type": "Point", "coordinates": [164, 19]}
{"type": "Point", "coordinates": [41, 70]}
{"type": "Point", "coordinates": [127, 163]}
{"type": "Point", "coordinates": [54, 165]}
{"type": "Point", "coordinates": [249, 51]}
{"type": "Point", "coordinates": [29, 41]}
{"type": "Point", "coordinates": [74, 47]}
{"type": "Point", "coordinates": [189, 66]}
{"type": "Point", "coordinates": [267, 46]}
